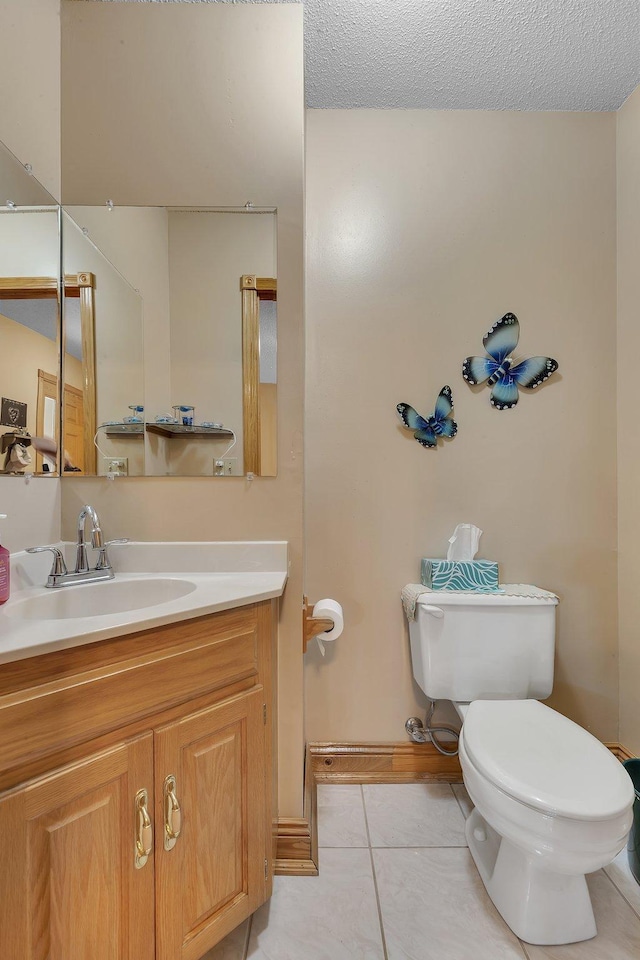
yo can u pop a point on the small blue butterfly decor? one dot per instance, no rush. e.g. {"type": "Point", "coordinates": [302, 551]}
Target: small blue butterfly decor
{"type": "Point", "coordinates": [499, 370]}
{"type": "Point", "coordinates": [427, 431]}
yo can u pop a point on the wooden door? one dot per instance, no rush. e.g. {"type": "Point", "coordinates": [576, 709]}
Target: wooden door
{"type": "Point", "coordinates": [47, 390]}
{"type": "Point", "coordinates": [214, 876]}
{"type": "Point", "coordinates": [69, 888]}
{"type": "Point", "coordinates": [73, 420]}
{"type": "Point", "coordinates": [268, 393]}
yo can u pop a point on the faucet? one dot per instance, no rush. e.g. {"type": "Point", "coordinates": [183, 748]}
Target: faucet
{"type": "Point", "coordinates": [60, 576]}
{"type": "Point", "coordinates": [97, 542]}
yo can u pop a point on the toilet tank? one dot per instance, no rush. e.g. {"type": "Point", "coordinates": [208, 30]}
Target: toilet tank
{"type": "Point", "coordinates": [467, 646]}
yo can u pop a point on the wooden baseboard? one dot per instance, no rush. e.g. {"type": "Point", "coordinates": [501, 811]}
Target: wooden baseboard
{"type": "Point", "coordinates": [393, 762]}
{"type": "Point", "coordinates": [382, 763]}
{"type": "Point", "coordinates": [294, 848]}
{"type": "Point", "coordinates": [297, 838]}
{"type": "Point", "coordinates": [620, 752]}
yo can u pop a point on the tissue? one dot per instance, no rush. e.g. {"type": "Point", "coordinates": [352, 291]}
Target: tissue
{"type": "Point", "coordinates": [464, 542]}
{"type": "Point", "coordinates": [331, 610]}
{"type": "Point", "coordinates": [460, 571]}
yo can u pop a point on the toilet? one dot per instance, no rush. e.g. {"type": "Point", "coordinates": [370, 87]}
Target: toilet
{"type": "Point", "coordinates": [551, 803]}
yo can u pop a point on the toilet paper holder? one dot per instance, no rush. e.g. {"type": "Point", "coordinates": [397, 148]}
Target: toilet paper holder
{"type": "Point", "coordinates": [312, 626]}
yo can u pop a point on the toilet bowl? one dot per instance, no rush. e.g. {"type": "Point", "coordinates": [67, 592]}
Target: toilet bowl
{"type": "Point", "coordinates": [551, 803]}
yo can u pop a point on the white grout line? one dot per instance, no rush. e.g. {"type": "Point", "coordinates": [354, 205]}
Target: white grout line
{"type": "Point", "coordinates": [375, 879]}
{"type": "Point", "coordinates": [457, 799]}
{"type": "Point", "coordinates": [351, 846]}
{"type": "Point", "coordinates": [524, 948]}
{"type": "Point", "coordinates": [621, 892]}
{"type": "Point", "coordinates": [426, 846]}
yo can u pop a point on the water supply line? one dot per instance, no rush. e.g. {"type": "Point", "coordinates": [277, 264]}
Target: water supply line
{"type": "Point", "coordinates": [421, 732]}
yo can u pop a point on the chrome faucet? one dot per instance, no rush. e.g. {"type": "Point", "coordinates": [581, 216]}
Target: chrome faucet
{"type": "Point", "coordinates": [97, 542]}
{"type": "Point", "coordinates": [60, 576]}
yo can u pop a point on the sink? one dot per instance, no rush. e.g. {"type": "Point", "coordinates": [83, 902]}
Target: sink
{"type": "Point", "coordinates": [99, 599]}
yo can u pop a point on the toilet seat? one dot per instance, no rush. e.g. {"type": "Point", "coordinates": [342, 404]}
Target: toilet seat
{"type": "Point", "coordinates": [544, 760]}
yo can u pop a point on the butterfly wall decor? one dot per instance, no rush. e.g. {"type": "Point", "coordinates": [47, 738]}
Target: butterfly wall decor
{"type": "Point", "coordinates": [427, 430]}
{"type": "Point", "coordinates": [499, 370]}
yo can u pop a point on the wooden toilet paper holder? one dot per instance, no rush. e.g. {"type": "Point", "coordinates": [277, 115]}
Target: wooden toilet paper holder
{"type": "Point", "coordinates": [312, 626]}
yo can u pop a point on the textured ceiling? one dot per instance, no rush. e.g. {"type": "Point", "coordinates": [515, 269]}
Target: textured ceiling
{"type": "Point", "coordinates": [469, 54]}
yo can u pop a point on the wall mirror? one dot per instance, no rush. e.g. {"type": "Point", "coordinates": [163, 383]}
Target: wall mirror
{"type": "Point", "coordinates": [29, 322]}
{"type": "Point", "coordinates": [204, 401]}
{"type": "Point", "coordinates": [103, 400]}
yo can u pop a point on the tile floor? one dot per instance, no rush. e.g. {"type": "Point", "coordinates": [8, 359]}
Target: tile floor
{"type": "Point", "coordinates": [397, 883]}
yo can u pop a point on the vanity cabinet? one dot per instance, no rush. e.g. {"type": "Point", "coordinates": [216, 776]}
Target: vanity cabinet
{"type": "Point", "coordinates": [69, 886]}
{"type": "Point", "coordinates": [138, 828]}
{"type": "Point", "coordinates": [216, 873]}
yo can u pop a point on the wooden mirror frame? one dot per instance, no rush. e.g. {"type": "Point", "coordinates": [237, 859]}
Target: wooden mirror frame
{"type": "Point", "coordinates": [82, 286]}
{"type": "Point", "coordinates": [254, 289]}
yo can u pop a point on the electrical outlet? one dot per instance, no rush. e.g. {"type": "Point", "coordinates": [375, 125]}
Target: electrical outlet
{"type": "Point", "coordinates": [228, 467]}
{"type": "Point", "coordinates": [117, 466]}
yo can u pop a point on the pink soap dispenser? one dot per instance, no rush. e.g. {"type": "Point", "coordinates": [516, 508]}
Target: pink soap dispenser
{"type": "Point", "coordinates": [5, 570]}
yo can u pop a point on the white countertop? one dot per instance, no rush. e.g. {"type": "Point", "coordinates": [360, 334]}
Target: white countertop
{"type": "Point", "coordinates": [220, 575]}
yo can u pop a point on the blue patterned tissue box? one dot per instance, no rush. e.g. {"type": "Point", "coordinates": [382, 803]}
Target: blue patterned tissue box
{"type": "Point", "coordinates": [480, 575]}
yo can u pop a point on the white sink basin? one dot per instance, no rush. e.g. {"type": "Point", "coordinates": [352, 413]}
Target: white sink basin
{"type": "Point", "coordinates": [100, 599]}
{"type": "Point", "coordinates": [155, 584]}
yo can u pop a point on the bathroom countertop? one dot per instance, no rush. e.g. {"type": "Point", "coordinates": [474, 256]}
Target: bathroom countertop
{"type": "Point", "coordinates": [219, 576]}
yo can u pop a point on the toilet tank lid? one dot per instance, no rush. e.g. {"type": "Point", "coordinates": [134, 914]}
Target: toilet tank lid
{"type": "Point", "coordinates": [545, 760]}
{"type": "Point", "coordinates": [514, 594]}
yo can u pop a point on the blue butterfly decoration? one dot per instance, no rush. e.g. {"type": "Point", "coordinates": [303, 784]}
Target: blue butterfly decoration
{"type": "Point", "coordinates": [498, 368]}
{"type": "Point", "coordinates": [440, 424]}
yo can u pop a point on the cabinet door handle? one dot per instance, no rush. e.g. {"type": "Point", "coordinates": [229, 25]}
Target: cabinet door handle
{"type": "Point", "coordinates": [144, 830]}
{"type": "Point", "coordinates": [172, 813]}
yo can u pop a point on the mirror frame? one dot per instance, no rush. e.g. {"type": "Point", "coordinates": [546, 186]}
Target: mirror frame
{"type": "Point", "coordinates": [254, 289]}
{"type": "Point", "coordinates": [82, 286]}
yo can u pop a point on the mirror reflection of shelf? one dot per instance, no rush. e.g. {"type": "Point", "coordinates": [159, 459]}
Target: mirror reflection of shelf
{"type": "Point", "coordinates": [177, 430]}
{"type": "Point", "coordinates": [124, 430]}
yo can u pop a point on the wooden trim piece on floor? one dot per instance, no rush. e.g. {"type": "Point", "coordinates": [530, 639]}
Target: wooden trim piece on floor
{"type": "Point", "coordinates": [620, 752]}
{"type": "Point", "coordinates": [392, 763]}
{"type": "Point", "coordinates": [382, 763]}
{"type": "Point", "coordinates": [294, 849]}
{"type": "Point", "coordinates": [297, 843]}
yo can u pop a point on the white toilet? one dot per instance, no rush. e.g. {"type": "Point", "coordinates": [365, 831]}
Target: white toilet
{"type": "Point", "coordinates": [552, 803]}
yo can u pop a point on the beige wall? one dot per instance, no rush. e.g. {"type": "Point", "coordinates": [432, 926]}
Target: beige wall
{"type": "Point", "coordinates": [169, 137]}
{"type": "Point", "coordinates": [23, 353]}
{"type": "Point", "coordinates": [30, 243]}
{"type": "Point", "coordinates": [628, 437]}
{"type": "Point", "coordinates": [30, 70]}
{"type": "Point", "coordinates": [423, 229]}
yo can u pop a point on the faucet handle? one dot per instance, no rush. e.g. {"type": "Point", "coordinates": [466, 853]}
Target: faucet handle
{"type": "Point", "coordinates": [103, 557]}
{"type": "Point", "coordinates": [59, 567]}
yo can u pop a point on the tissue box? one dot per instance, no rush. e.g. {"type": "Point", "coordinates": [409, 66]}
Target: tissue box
{"type": "Point", "coordinates": [480, 575]}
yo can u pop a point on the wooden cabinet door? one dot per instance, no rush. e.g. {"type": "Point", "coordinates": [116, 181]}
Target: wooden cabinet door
{"type": "Point", "coordinates": [69, 889]}
{"type": "Point", "coordinates": [214, 876]}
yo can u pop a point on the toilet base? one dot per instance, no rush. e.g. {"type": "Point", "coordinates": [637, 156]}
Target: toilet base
{"type": "Point", "coordinates": [540, 906]}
